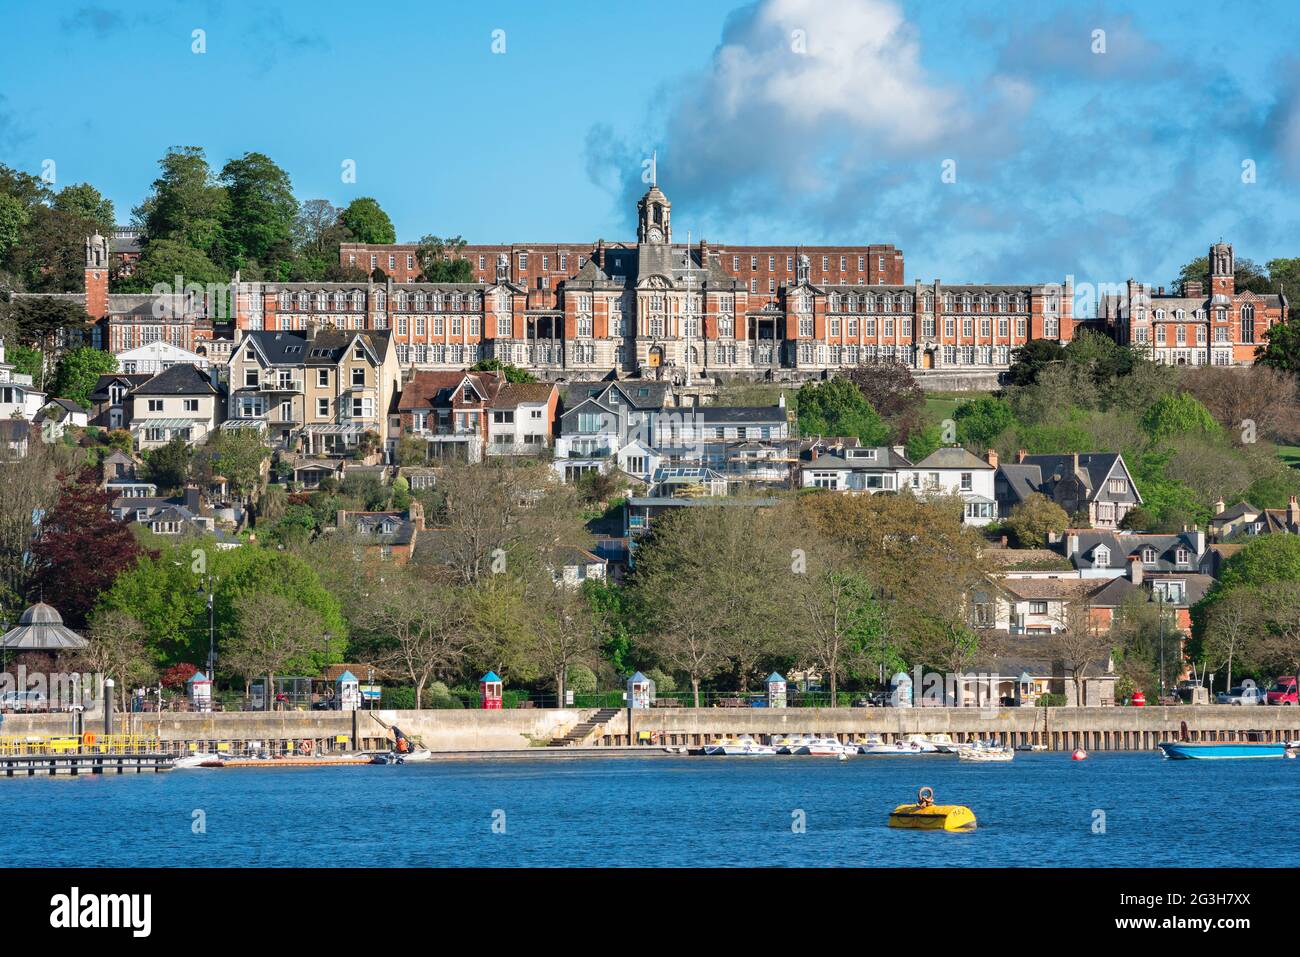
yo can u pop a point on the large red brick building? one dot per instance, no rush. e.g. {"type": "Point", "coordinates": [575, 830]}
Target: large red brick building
{"type": "Point", "coordinates": [663, 308]}
{"type": "Point", "coordinates": [1223, 327]}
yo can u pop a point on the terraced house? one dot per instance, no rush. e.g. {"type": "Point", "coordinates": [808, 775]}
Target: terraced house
{"type": "Point", "coordinates": [320, 391]}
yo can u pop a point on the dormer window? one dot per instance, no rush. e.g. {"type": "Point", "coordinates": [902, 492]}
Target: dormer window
{"type": "Point", "coordinates": [1101, 556]}
{"type": "Point", "coordinates": [1148, 556]}
{"type": "Point", "coordinates": [1183, 556]}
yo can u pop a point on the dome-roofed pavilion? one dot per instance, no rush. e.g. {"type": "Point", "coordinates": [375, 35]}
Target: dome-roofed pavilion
{"type": "Point", "coordinates": [41, 628]}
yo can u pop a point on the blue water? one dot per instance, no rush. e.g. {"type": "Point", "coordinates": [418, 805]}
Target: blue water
{"type": "Point", "coordinates": [689, 811]}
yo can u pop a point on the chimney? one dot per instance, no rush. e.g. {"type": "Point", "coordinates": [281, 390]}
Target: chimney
{"type": "Point", "coordinates": [1292, 511]}
{"type": "Point", "coordinates": [1074, 461]}
{"type": "Point", "coordinates": [192, 499]}
{"type": "Point", "coordinates": [1193, 289]}
{"type": "Point", "coordinates": [991, 456]}
{"type": "Point", "coordinates": [340, 519]}
{"type": "Point", "coordinates": [416, 514]}
{"type": "Point", "coordinates": [1160, 290]}
{"type": "Point", "coordinates": [814, 452]}
{"type": "Point", "coordinates": [600, 253]}
{"type": "Point", "coordinates": [900, 451]}
{"type": "Point", "coordinates": [1071, 544]}
{"type": "Point", "coordinates": [1198, 540]}
{"type": "Point", "coordinates": [1135, 569]}
{"type": "Point", "coordinates": [1021, 455]}
{"type": "Point", "coordinates": [1219, 506]}
{"type": "Point", "coordinates": [704, 253]}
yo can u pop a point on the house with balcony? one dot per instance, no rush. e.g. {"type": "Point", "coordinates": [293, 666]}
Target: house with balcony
{"type": "Point", "coordinates": [868, 469]}
{"type": "Point", "coordinates": [610, 425]}
{"type": "Point", "coordinates": [450, 412]}
{"type": "Point", "coordinates": [1095, 484]}
{"type": "Point", "coordinates": [321, 390]}
{"type": "Point", "coordinates": [179, 401]}
{"type": "Point", "coordinates": [521, 418]}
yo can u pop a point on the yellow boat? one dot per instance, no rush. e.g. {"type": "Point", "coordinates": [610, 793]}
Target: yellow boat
{"type": "Point", "coordinates": [925, 815]}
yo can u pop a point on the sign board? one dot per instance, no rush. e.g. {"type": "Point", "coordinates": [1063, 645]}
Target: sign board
{"type": "Point", "coordinates": [370, 692]}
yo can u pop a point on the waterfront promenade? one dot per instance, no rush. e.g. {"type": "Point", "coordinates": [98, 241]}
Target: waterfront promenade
{"type": "Point", "coordinates": [589, 731]}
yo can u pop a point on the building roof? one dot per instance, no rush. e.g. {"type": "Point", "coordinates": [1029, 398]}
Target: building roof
{"type": "Point", "coordinates": [739, 414]}
{"type": "Point", "coordinates": [432, 389]}
{"type": "Point", "coordinates": [514, 394]}
{"type": "Point", "coordinates": [41, 628]}
{"type": "Point", "coordinates": [1121, 545]}
{"type": "Point", "coordinates": [1040, 589]}
{"type": "Point", "coordinates": [180, 379]}
{"type": "Point", "coordinates": [952, 457]}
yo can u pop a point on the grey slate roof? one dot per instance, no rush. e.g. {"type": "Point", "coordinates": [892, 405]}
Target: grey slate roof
{"type": "Point", "coordinates": [41, 628]}
{"type": "Point", "coordinates": [180, 379]}
{"type": "Point", "coordinates": [952, 457]}
{"type": "Point", "coordinates": [1121, 547]}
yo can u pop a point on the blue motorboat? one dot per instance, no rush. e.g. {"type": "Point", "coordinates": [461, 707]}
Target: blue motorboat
{"type": "Point", "coordinates": [1221, 750]}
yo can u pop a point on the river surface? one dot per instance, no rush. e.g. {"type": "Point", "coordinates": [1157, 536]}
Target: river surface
{"type": "Point", "coordinates": [1042, 810]}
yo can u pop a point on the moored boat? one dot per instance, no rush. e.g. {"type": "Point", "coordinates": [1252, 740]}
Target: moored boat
{"type": "Point", "coordinates": [986, 752]}
{"type": "Point", "coordinates": [744, 745]}
{"type": "Point", "coordinates": [1221, 750]}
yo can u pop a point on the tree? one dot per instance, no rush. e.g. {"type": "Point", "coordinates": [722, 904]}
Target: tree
{"type": "Point", "coordinates": [1269, 558]}
{"type": "Point", "coordinates": [1248, 402]}
{"type": "Point", "coordinates": [87, 203]}
{"type": "Point", "coordinates": [236, 455]}
{"type": "Point", "coordinates": [78, 372]}
{"type": "Point", "coordinates": [1230, 629]}
{"type": "Point", "coordinates": [30, 487]}
{"type": "Point", "coordinates": [1080, 645]}
{"type": "Point", "coordinates": [512, 373]}
{"type": "Point", "coordinates": [366, 222]}
{"type": "Point", "coordinates": [836, 616]}
{"type": "Point", "coordinates": [272, 634]}
{"type": "Point", "coordinates": [81, 549]}
{"type": "Point", "coordinates": [164, 259]}
{"type": "Point", "coordinates": [1246, 275]}
{"type": "Point", "coordinates": [13, 220]}
{"type": "Point", "coordinates": [1279, 620]}
{"type": "Point", "coordinates": [169, 465]}
{"type": "Point", "coordinates": [260, 211]}
{"type": "Point", "coordinates": [116, 649]}
{"type": "Point", "coordinates": [837, 407]}
{"type": "Point", "coordinates": [1178, 413]}
{"type": "Point", "coordinates": [562, 630]}
{"type": "Point", "coordinates": [422, 628]}
{"type": "Point", "coordinates": [890, 389]}
{"type": "Point", "coordinates": [1029, 360]}
{"type": "Point", "coordinates": [187, 206]}
{"type": "Point", "coordinates": [39, 320]}
{"type": "Point", "coordinates": [1281, 347]}
{"type": "Point", "coordinates": [981, 421]}
{"type": "Point", "coordinates": [441, 260]}
{"type": "Point", "coordinates": [1032, 520]}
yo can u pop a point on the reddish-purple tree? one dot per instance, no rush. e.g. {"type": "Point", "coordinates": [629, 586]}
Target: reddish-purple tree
{"type": "Point", "coordinates": [79, 550]}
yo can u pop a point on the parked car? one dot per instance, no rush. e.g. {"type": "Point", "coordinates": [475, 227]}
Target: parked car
{"type": "Point", "coordinates": [1283, 691]}
{"type": "Point", "coordinates": [1242, 695]}
{"type": "Point", "coordinates": [23, 701]}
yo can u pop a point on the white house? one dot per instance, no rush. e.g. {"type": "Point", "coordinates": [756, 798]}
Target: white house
{"type": "Point", "coordinates": [177, 401]}
{"type": "Point", "coordinates": [955, 471]}
{"type": "Point", "coordinates": [58, 415]}
{"type": "Point", "coordinates": [521, 418]}
{"type": "Point", "coordinates": [154, 357]}
{"type": "Point", "coordinates": [18, 399]}
{"type": "Point", "coordinates": [878, 469]}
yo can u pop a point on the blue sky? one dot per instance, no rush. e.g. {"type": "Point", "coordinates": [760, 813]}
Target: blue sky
{"type": "Point", "coordinates": [812, 121]}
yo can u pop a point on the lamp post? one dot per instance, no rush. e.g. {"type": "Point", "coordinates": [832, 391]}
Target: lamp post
{"type": "Point", "coordinates": [1160, 603]}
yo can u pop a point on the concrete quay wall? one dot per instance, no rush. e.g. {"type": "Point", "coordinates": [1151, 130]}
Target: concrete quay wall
{"type": "Point", "coordinates": [473, 730]}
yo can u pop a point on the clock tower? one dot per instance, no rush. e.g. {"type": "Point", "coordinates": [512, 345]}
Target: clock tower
{"type": "Point", "coordinates": [654, 218]}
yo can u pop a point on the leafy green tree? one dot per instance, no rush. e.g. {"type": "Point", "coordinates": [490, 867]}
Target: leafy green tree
{"type": "Point", "coordinates": [1246, 274]}
{"type": "Point", "coordinates": [1281, 348]}
{"type": "Point", "coordinates": [923, 441]}
{"type": "Point", "coordinates": [441, 260]}
{"type": "Point", "coordinates": [13, 219]}
{"type": "Point", "coordinates": [87, 203]}
{"type": "Point", "coordinates": [78, 372]}
{"type": "Point", "coordinates": [513, 373]}
{"type": "Point", "coordinates": [236, 455]}
{"type": "Point", "coordinates": [26, 361]}
{"type": "Point", "coordinates": [187, 205]}
{"type": "Point", "coordinates": [366, 222]}
{"type": "Point", "coordinates": [1269, 558]}
{"type": "Point", "coordinates": [615, 609]}
{"type": "Point", "coordinates": [838, 407]}
{"type": "Point", "coordinates": [1032, 520]}
{"type": "Point", "coordinates": [164, 259]}
{"type": "Point", "coordinates": [1178, 413]}
{"type": "Point", "coordinates": [981, 421]}
{"type": "Point", "coordinates": [168, 465]}
{"type": "Point", "coordinates": [38, 320]}
{"type": "Point", "coordinates": [1028, 360]}
{"type": "Point", "coordinates": [260, 212]}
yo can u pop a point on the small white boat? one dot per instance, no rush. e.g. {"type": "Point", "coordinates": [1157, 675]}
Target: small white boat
{"type": "Point", "coordinates": [899, 748]}
{"type": "Point", "coordinates": [411, 757]}
{"type": "Point", "coordinates": [792, 743]}
{"type": "Point", "coordinates": [832, 747]}
{"type": "Point", "coordinates": [986, 752]}
{"type": "Point", "coordinates": [196, 760]}
{"type": "Point", "coordinates": [1031, 747]}
{"type": "Point", "coordinates": [944, 744]}
{"type": "Point", "coordinates": [744, 745]}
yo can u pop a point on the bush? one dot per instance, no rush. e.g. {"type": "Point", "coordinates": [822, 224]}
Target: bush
{"type": "Point", "coordinates": [397, 699]}
{"type": "Point", "coordinates": [665, 683]}
{"type": "Point", "coordinates": [582, 680]}
{"type": "Point", "coordinates": [1051, 701]}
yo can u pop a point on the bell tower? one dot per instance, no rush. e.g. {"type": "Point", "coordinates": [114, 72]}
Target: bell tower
{"type": "Point", "coordinates": [1222, 281]}
{"type": "Point", "coordinates": [654, 218]}
{"type": "Point", "coordinates": [96, 276]}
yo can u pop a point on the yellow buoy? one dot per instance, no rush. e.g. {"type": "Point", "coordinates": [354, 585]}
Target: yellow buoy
{"type": "Point", "coordinates": [925, 815]}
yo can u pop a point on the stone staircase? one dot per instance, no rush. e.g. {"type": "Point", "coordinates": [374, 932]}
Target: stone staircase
{"type": "Point", "coordinates": [583, 730]}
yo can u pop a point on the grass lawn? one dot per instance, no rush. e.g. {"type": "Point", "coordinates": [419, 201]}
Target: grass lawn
{"type": "Point", "coordinates": [1290, 454]}
{"type": "Point", "coordinates": [941, 405]}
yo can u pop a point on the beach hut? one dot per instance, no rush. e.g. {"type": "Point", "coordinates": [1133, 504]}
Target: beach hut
{"type": "Point", "coordinates": [901, 696]}
{"type": "Point", "coordinates": [640, 691]}
{"type": "Point", "coordinates": [1025, 689]}
{"type": "Point", "coordinates": [199, 688]}
{"type": "Point", "coordinates": [349, 692]}
{"type": "Point", "coordinates": [775, 691]}
{"type": "Point", "coordinates": [490, 687]}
